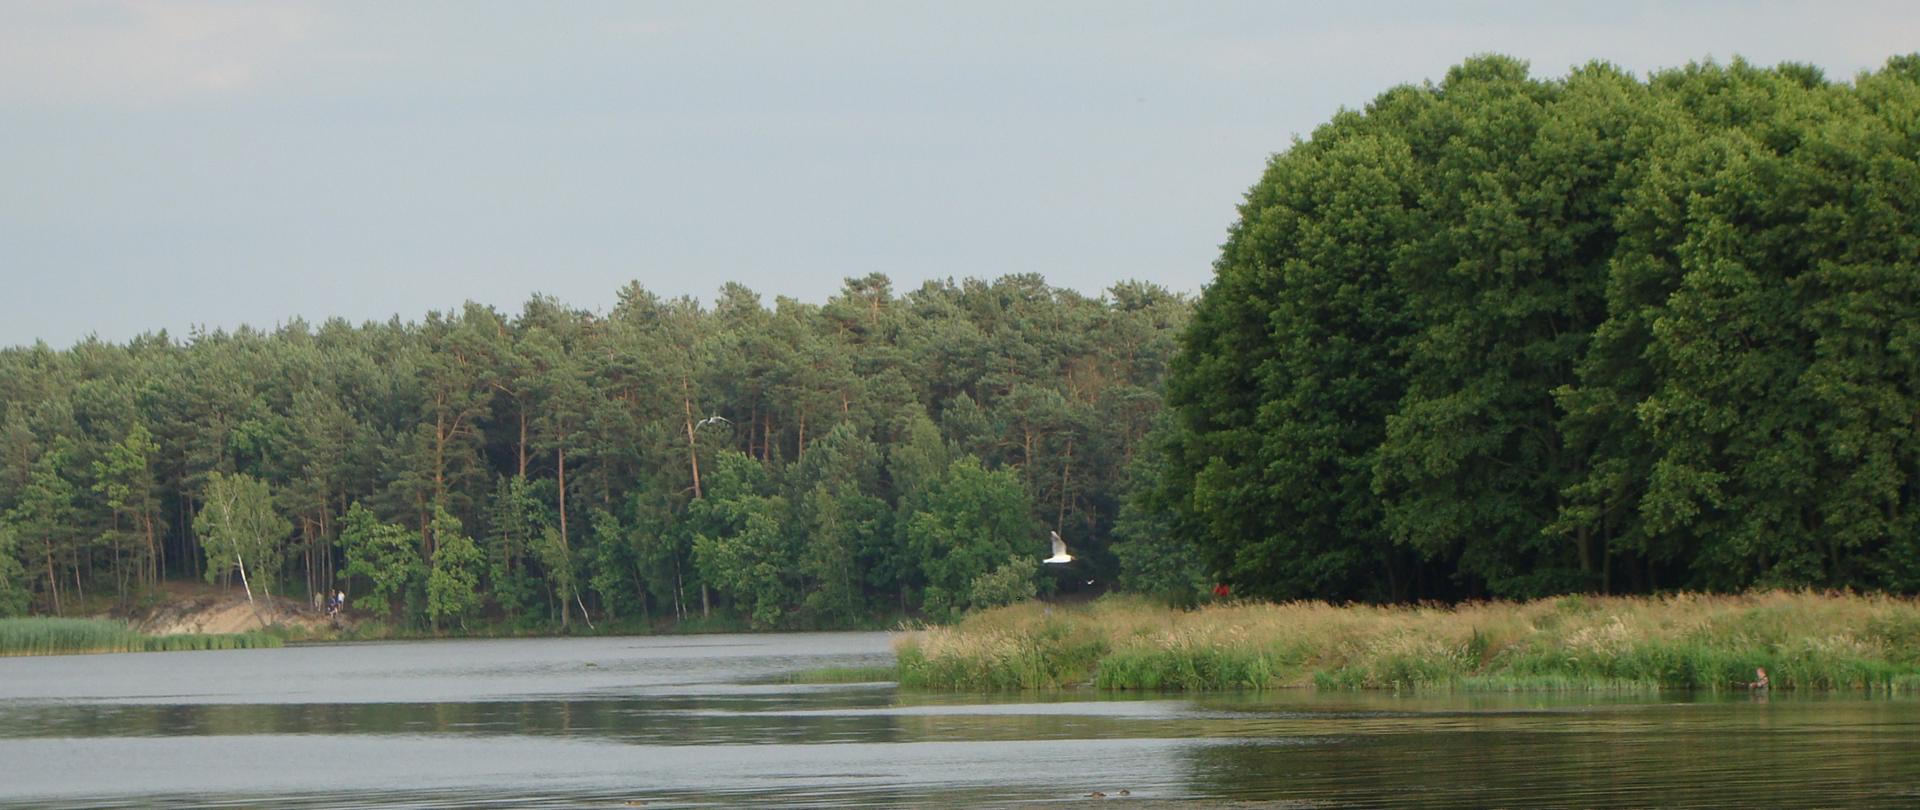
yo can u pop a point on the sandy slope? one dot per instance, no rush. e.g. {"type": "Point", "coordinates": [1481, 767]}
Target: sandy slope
{"type": "Point", "coordinates": [196, 608]}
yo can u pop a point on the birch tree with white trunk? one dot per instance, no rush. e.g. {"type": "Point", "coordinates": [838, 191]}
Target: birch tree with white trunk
{"type": "Point", "coordinates": [238, 527]}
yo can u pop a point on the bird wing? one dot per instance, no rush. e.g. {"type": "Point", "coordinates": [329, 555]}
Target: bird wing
{"type": "Point", "coordinates": [1059, 545]}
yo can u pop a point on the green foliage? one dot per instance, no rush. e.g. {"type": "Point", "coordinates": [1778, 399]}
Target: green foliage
{"type": "Point", "coordinates": [562, 567]}
{"type": "Point", "coordinates": [516, 523]}
{"type": "Point", "coordinates": [1155, 556]}
{"type": "Point", "coordinates": [42, 519]}
{"type": "Point", "coordinates": [837, 519]}
{"type": "Point", "coordinates": [742, 544]}
{"type": "Point", "coordinates": [387, 555]}
{"type": "Point", "coordinates": [573, 445]}
{"type": "Point", "coordinates": [13, 577]}
{"type": "Point", "coordinates": [974, 520]}
{"type": "Point", "coordinates": [1506, 336]}
{"type": "Point", "coordinates": [124, 478]}
{"type": "Point", "coordinates": [1015, 580]}
{"type": "Point", "coordinates": [237, 523]}
{"type": "Point", "coordinates": [454, 579]}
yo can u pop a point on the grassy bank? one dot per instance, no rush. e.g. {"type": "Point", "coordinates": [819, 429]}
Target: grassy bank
{"type": "Point", "coordinates": [1804, 640]}
{"type": "Point", "coordinates": [53, 636]}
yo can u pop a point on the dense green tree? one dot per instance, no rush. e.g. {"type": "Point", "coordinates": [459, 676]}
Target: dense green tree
{"type": "Point", "coordinates": [742, 541]}
{"type": "Point", "coordinates": [15, 591]}
{"type": "Point", "coordinates": [837, 518]}
{"type": "Point", "coordinates": [1014, 580]}
{"type": "Point", "coordinates": [1155, 555]}
{"type": "Point", "coordinates": [516, 526]}
{"type": "Point", "coordinates": [1509, 336]}
{"type": "Point", "coordinates": [387, 555]}
{"type": "Point", "coordinates": [974, 522]}
{"type": "Point", "coordinates": [42, 519]}
{"type": "Point", "coordinates": [124, 478]}
{"type": "Point", "coordinates": [1290, 366]}
{"type": "Point", "coordinates": [453, 576]}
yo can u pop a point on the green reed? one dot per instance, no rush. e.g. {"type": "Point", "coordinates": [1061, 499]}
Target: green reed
{"type": "Point", "coordinates": [62, 636]}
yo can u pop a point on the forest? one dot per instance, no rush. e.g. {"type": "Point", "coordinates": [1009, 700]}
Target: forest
{"type": "Point", "coordinates": [1492, 337]}
{"type": "Point", "coordinates": [799, 465]}
{"type": "Point", "coordinates": [1508, 337]}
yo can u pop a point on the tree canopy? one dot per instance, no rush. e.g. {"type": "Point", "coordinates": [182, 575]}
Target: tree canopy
{"type": "Point", "coordinates": [1506, 336]}
{"type": "Point", "coordinates": [557, 463]}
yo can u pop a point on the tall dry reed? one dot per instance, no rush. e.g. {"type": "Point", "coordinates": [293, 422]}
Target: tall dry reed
{"type": "Point", "coordinates": [1689, 641]}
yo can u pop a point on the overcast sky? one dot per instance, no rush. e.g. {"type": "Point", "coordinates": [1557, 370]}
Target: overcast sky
{"type": "Point", "coordinates": [164, 164]}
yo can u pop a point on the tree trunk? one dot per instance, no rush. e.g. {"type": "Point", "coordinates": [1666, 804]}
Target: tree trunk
{"type": "Point", "coordinates": [583, 608]}
{"type": "Point", "coordinates": [640, 582]}
{"type": "Point", "coordinates": [1583, 537]}
{"type": "Point", "coordinates": [243, 577]}
{"type": "Point", "coordinates": [1026, 451]}
{"type": "Point", "coordinates": [561, 460]}
{"type": "Point", "coordinates": [566, 549]}
{"type": "Point", "coordinates": [1066, 473]}
{"type": "Point", "coordinates": [693, 448]}
{"type": "Point", "coordinates": [523, 442]}
{"type": "Point", "coordinates": [119, 571]}
{"type": "Point", "coordinates": [266, 587]}
{"type": "Point", "coordinates": [679, 592]}
{"type": "Point", "coordinates": [152, 571]}
{"type": "Point", "coordinates": [326, 530]}
{"type": "Point", "coordinates": [53, 583]}
{"type": "Point", "coordinates": [439, 456]}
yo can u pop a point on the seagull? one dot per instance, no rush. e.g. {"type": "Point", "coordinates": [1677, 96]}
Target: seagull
{"type": "Point", "coordinates": [1060, 554]}
{"type": "Point", "coordinates": [715, 419]}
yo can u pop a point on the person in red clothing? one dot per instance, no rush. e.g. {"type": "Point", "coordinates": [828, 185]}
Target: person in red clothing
{"type": "Point", "coordinates": [1222, 591]}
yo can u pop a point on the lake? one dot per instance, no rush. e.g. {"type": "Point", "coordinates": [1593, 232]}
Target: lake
{"type": "Point", "coordinates": [705, 720]}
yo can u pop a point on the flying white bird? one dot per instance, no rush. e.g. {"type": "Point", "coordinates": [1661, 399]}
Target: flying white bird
{"type": "Point", "coordinates": [1060, 554]}
{"type": "Point", "coordinates": [715, 419]}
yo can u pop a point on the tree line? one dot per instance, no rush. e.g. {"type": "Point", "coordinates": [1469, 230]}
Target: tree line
{"type": "Point", "coordinates": [799, 465]}
{"type": "Point", "coordinates": [1497, 336]}
{"type": "Point", "coordinates": [1505, 336]}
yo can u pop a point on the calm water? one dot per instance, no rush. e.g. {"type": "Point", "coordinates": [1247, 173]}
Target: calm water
{"type": "Point", "coordinates": [703, 720]}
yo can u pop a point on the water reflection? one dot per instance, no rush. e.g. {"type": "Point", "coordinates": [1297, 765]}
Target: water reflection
{"type": "Point", "coordinates": [678, 721]}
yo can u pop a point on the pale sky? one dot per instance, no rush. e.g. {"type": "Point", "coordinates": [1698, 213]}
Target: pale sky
{"type": "Point", "coordinates": [165, 164]}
